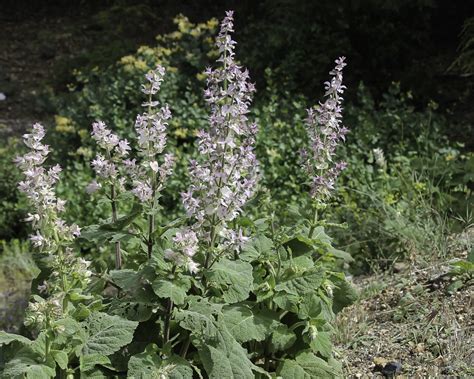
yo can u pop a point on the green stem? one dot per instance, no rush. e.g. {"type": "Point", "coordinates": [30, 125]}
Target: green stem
{"type": "Point", "coordinates": [118, 254]}
{"type": "Point", "coordinates": [166, 330]}
{"type": "Point", "coordinates": [185, 348]}
{"type": "Point", "coordinates": [151, 216]}
{"type": "Point", "coordinates": [313, 223]}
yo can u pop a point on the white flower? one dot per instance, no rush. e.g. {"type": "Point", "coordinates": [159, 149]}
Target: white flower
{"type": "Point", "coordinates": [93, 187]}
{"type": "Point", "coordinates": [38, 240]}
{"type": "Point", "coordinates": [154, 166]}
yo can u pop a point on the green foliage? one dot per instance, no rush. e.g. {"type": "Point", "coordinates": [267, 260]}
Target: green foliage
{"type": "Point", "coordinates": [11, 206]}
{"type": "Point", "coordinates": [269, 310]}
{"type": "Point", "coordinates": [465, 60]}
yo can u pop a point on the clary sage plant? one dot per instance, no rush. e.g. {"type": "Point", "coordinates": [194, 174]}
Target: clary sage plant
{"type": "Point", "coordinates": [214, 294]}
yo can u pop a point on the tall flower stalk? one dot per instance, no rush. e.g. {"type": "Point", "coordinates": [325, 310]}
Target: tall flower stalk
{"type": "Point", "coordinates": [226, 177]}
{"type": "Point", "coordinates": [52, 235]}
{"type": "Point", "coordinates": [107, 166]}
{"type": "Point", "coordinates": [147, 177]}
{"type": "Point", "coordinates": [150, 177]}
{"type": "Point", "coordinates": [325, 131]}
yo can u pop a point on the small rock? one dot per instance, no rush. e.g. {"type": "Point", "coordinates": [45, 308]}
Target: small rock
{"type": "Point", "coordinates": [3, 97]}
{"type": "Point", "coordinates": [379, 361]}
{"type": "Point", "coordinates": [399, 267]}
{"type": "Point", "coordinates": [391, 369]}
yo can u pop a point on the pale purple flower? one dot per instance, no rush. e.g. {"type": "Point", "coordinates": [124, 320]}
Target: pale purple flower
{"type": "Point", "coordinates": [123, 147]}
{"type": "Point", "coordinates": [185, 246]}
{"type": "Point", "coordinates": [38, 240]}
{"type": "Point", "coordinates": [325, 133]}
{"type": "Point", "coordinates": [93, 186]}
{"type": "Point", "coordinates": [151, 128]}
{"type": "Point", "coordinates": [226, 177]}
{"type": "Point", "coordinates": [38, 186]}
{"type": "Point", "coordinates": [143, 191]}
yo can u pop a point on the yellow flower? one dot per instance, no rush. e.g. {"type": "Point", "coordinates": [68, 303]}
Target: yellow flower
{"type": "Point", "coordinates": [63, 124]}
{"type": "Point", "coordinates": [200, 76]}
{"type": "Point", "coordinates": [181, 133]}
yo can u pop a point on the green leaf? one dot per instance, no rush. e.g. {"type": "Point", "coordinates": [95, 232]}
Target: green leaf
{"type": "Point", "coordinates": [302, 282]}
{"type": "Point", "coordinates": [307, 366]}
{"type": "Point", "coordinates": [131, 310]}
{"type": "Point", "coordinates": [282, 339]}
{"type": "Point", "coordinates": [344, 294]}
{"type": "Point", "coordinates": [107, 334]}
{"type": "Point", "coordinates": [176, 291]}
{"type": "Point", "coordinates": [259, 246]}
{"type": "Point", "coordinates": [181, 368]}
{"type": "Point", "coordinates": [245, 325]}
{"type": "Point", "coordinates": [128, 280]}
{"type": "Point", "coordinates": [221, 355]}
{"type": "Point", "coordinates": [146, 365]}
{"type": "Point", "coordinates": [319, 235]}
{"type": "Point", "coordinates": [322, 344]}
{"type": "Point", "coordinates": [31, 365]}
{"type": "Point", "coordinates": [299, 245]}
{"type": "Point", "coordinates": [286, 301]}
{"type": "Point", "coordinates": [6, 338]}
{"type": "Point", "coordinates": [233, 278]}
{"type": "Point", "coordinates": [94, 233]}
{"type": "Point", "coordinates": [310, 307]}
{"type": "Point", "coordinates": [201, 322]}
{"type": "Point", "coordinates": [89, 361]}
{"type": "Point", "coordinates": [61, 358]}
{"type": "Point", "coordinates": [225, 358]}
{"type": "Point", "coordinates": [341, 254]}
{"type": "Point", "coordinates": [123, 221]}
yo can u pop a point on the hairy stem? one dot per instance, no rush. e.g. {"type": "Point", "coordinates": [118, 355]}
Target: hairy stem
{"type": "Point", "coordinates": [166, 330]}
{"type": "Point", "coordinates": [185, 348]}
{"type": "Point", "coordinates": [118, 254]}
{"type": "Point", "coordinates": [314, 222]}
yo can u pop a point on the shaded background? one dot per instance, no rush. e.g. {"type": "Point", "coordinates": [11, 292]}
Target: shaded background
{"type": "Point", "coordinates": [410, 41]}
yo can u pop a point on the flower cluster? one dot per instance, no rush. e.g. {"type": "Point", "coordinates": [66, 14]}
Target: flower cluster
{"type": "Point", "coordinates": [107, 166]}
{"type": "Point", "coordinates": [151, 129]}
{"type": "Point", "coordinates": [52, 234]}
{"type": "Point", "coordinates": [325, 132]}
{"type": "Point", "coordinates": [227, 176]}
{"type": "Point", "coordinates": [38, 186]}
{"type": "Point", "coordinates": [379, 157]}
{"type": "Point", "coordinates": [185, 247]}
{"type": "Point", "coordinates": [41, 312]}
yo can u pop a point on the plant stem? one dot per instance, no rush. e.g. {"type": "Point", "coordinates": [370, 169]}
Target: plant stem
{"type": "Point", "coordinates": [166, 330]}
{"type": "Point", "coordinates": [151, 218]}
{"type": "Point", "coordinates": [118, 254]}
{"type": "Point", "coordinates": [313, 224]}
{"type": "Point", "coordinates": [185, 348]}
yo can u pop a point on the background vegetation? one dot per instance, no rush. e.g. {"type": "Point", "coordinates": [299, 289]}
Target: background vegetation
{"type": "Point", "coordinates": [408, 187]}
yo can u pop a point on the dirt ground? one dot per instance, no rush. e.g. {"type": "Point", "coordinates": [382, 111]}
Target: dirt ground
{"type": "Point", "coordinates": [412, 319]}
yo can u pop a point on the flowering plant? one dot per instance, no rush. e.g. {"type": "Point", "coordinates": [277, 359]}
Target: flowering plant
{"type": "Point", "coordinates": [213, 293]}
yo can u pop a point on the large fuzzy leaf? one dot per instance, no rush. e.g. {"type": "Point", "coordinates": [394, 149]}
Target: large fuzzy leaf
{"type": "Point", "coordinates": [306, 365]}
{"type": "Point", "coordinates": [29, 364]}
{"type": "Point", "coordinates": [302, 283]}
{"type": "Point", "coordinates": [107, 334]}
{"type": "Point", "coordinates": [246, 325]}
{"type": "Point", "coordinates": [322, 344]}
{"type": "Point", "coordinates": [175, 291]}
{"type": "Point", "coordinates": [259, 246]}
{"type": "Point", "coordinates": [6, 338]}
{"type": "Point", "coordinates": [233, 278]}
{"type": "Point", "coordinates": [282, 339]}
{"type": "Point", "coordinates": [220, 353]}
{"type": "Point", "coordinates": [224, 357]}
